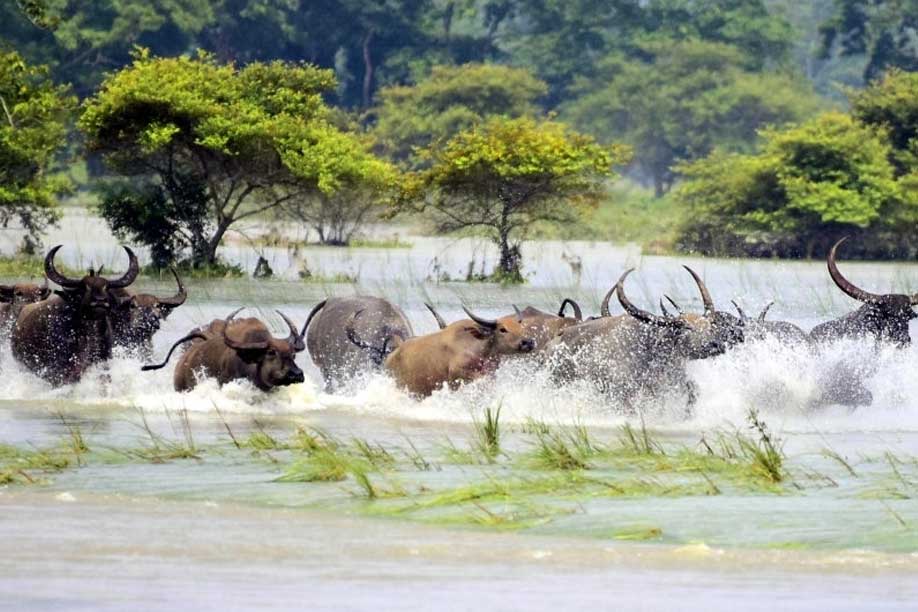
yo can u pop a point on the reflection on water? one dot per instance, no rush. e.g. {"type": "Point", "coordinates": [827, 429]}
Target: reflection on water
{"type": "Point", "coordinates": [142, 527]}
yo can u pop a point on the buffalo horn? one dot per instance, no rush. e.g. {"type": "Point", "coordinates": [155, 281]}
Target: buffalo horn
{"type": "Point", "coordinates": [240, 346]}
{"type": "Point", "coordinates": [634, 311]}
{"type": "Point", "coordinates": [130, 276]}
{"type": "Point", "coordinates": [488, 323]}
{"type": "Point", "coordinates": [847, 286]}
{"type": "Point", "coordinates": [436, 315]}
{"type": "Point", "coordinates": [578, 314]}
{"type": "Point", "coordinates": [294, 339]}
{"type": "Point", "coordinates": [709, 308]}
{"type": "Point", "coordinates": [53, 275]}
{"type": "Point", "coordinates": [742, 314]}
{"type": "Point", "coordinates": [765, 310]}
{"type": "Point", "coordinates": [604, 307]}
{"type": "Point", "coordinates": [179, 298]}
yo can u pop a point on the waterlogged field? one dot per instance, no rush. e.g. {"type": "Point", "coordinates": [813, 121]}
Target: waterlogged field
{"type": "Point", "coordinates": [119, 492]}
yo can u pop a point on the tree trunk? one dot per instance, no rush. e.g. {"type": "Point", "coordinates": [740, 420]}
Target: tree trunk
{"type": "Point", "coordinates": [214, 243]}
{"type": "Point", "coordinates": [659, 186]}
{"type": "Point", "coordinates": [368, 69]}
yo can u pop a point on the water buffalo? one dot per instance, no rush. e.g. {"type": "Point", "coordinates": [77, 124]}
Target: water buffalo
{"type": "Point", "coordinates": [14, 297]}
{"type": "Point", "coordinates": [884, 317]}
{"type": "Point", "coordinates": [62, 336]}
{"type": "Point", "coordinates": [759, 328]}
{"type": "Point", "coordinates": [140, 315]}
{"type": "Point", "coordinates": [539, 325]}
{"type": "Point", "coordinates": [378, 323]}
{"type": "Point", "coordinates": [642, 355]}
{"type": "Point", "coordinates": [237, 349]}
{"type": "Point", "coordinates": [460, 352]}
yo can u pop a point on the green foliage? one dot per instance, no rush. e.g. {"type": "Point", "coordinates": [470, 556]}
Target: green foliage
{"type": "Point", "coordinates": [252, 139]}
{"type": "Point", "coordinates": [33, 116]}
{"type": "Point", "coordinates": [681, 101]}
{"type": "Point", "coordinates": [891, 103]}
{"type": "Point", "coordinates": [504, 175]}
{"type": "Point", "coordinates": [450, 99]}
{"type": "Point", "coordinates": [808, 186]}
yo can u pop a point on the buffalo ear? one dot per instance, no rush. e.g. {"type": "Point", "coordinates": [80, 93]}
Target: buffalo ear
{"type": "Point", "coordinates": [45, 293]}
{"type": "Point", "coordinates": [6, 293]}
{"type": "Point", "coordinates": [481, 333]}
{"type": "Point", "coordinates": [251, 355]}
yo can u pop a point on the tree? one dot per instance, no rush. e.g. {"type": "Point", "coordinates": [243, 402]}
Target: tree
{"type": "Point", "coordinates": [809, 185]}
{"type": "Point", "coordinates": [33, 118]}
{"type": "Point", "coordinates": [688, 98]}
{"type": "Point", "coordinates": [885, 31]}
{"type": "Point", "coordinates": [253, 138]}
{"type": "Point", "coordinates": [504, 175]}
{"type": "Point", "coordinates": [891, 103]}
{"type": "Point", "coordinates": [450, 99]}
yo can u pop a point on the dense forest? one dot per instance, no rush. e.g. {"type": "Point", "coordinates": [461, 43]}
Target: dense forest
{"type": "Point", "coordinates": [758, 127]}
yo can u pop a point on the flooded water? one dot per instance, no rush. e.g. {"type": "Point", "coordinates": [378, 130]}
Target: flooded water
{"type": "Point", "coordinates": [132, 523]}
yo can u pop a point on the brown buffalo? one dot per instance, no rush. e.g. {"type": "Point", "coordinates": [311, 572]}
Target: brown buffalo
{"type": "Point", "coordinates": [59, 338]}
{"type": "Point", "coordinates": [140, 315]}
{"type": "Point", "coordinates": [238, 349]}
{"type": "Point", "coordinates": [14, 297]}
{"type": "Point", "coordinates": [459, 353]}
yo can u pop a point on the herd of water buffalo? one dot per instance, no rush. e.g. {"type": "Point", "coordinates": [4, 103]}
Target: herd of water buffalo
{"type": "Point", "coordinates": [59, 334]}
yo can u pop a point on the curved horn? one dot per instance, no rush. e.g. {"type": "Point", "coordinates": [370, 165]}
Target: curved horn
{"type": "Point", "coordinates": [312, 313]}
{"type": "Point", "coordinates": [179, 298]}
{"type": "Point", "coordinates": [190, 336]}
{"type": "Point", "coordinates": [604, 307]}
{"type": "Point", "coordinates": [489, 323]}
{"type": "Point", "coordinates": [519, 314]}
{"type": "Point", "coordinates": [436, 315]}
{"type": "Point", "coordinates": [240, 346]}
{"type": "Point", "coordinates": [295, 339]}
{"type": "Point", "coordinates": [844, 284]}
{"type": "Point", "coordinates": [709, 308]}
{"type": "Point", "coordinates": [663, 309]}
{"type": "Point", "coordinates": [634, 311]}
{"type": "Point", "coordinates": [578, 314]}
{"type": "Point", "coordinates": [742, 314]}
{"type": "Point", "coordinates": [128, 277]}
{"type": "Point", "coordinates": [53, 275]}
{"type": "Point", "coordinates": [675, 305]}
{"type": "Point", "coordinates": [765, 310]}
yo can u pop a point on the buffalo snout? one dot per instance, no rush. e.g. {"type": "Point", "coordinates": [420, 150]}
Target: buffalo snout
{"type": "Point", "coordinates": [527, 345]}
{"type": "Point", "coordinates": [294, 376]}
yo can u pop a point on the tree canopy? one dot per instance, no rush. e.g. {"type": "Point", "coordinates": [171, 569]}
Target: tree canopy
{"type": "Point", "coordinates": [254, 137]}
{"type": "Point", "coordinates": [33, 128]}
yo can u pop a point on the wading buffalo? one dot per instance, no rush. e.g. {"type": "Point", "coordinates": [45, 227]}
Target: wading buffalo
{"type": "Point", "coordinates": [62, 336]}
{"type": "Point", "coordinates": [459, 353]}
{"type": "Point", "coordinates": [539, 325]}
{"type": "Point", "coordinates": [377, 324]}
{"type": "Point", "coordinates": [237, 349]}
{"type": "Point", "coordinates": [640, 354]}
{"type": "Point", "coordinates": [885, 318]}
{"type": "Point", "coordinates": [140, 315]}
{"type": "Point", "coordinates": [759, 328]}
{"type": "Point", "coordinates": [12, 300]}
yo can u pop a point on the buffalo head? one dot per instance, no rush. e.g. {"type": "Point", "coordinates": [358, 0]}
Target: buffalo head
{"type": "Point", "coordinates": [507, 334]}
{"type": "Point", "coordinates": [274, 359]}
{"type": "Point", "coordinates": [142, 314]}
{"type": "Point", "coordinates": [24, 293]}
{"type": "Point", "coordinates": [93, 294]}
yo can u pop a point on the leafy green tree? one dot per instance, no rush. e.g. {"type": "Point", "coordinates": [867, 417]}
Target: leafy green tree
{"type": "Point", "coordinates": [254, 138]}
{"type": "Point", "coordinates": [688, 98]}
{"type": "Point", "coordinates": [885, 31]}
{"type": "Point", "coordinates": [504, 175]}
{"type": "Point", "coordinates": [450, 99]}
{"type": "Point", "coordinates": [33, 117]}
{"type": "Point", "coordinates": [810, 185]}
{"type": "Point", "coordinates": [891, 103]}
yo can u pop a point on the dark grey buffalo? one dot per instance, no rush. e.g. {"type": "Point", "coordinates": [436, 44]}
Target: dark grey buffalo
{"type": "Point", "coordinates": [641, 355]}
{"type": "Point", "coordinates": [237, 349]}
{"type": "Point", "coordinates": [140, 315]}
{"type": "Point", "coordinates": [59, 338]}
{"type": "Point", "coordinates": [13, 298]}
{"type": "Point", "coordinates": [759, 328]}
{"type": "Point", "coordinates": [376, 327]}
{"type": "Point", "coordinates": [883, 317]}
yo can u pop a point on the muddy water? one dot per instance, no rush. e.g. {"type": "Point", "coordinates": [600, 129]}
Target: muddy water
{"type": "Point", "coordinates": [218, 531]}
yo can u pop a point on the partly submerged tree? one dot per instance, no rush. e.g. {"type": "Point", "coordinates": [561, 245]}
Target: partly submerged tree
{"type": "Point", "coordinates": [33, 119]}
{"type": "Point", "coordinates": [687, 98]}
{"type": "Point", "coordinates": [810, 185]}
{"type": "Point", "coordinates": [450, 99]}
{"type": "Point", "coordinates": [504, 175]}
{"type": "Point", "coordinates": [251, 138]}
